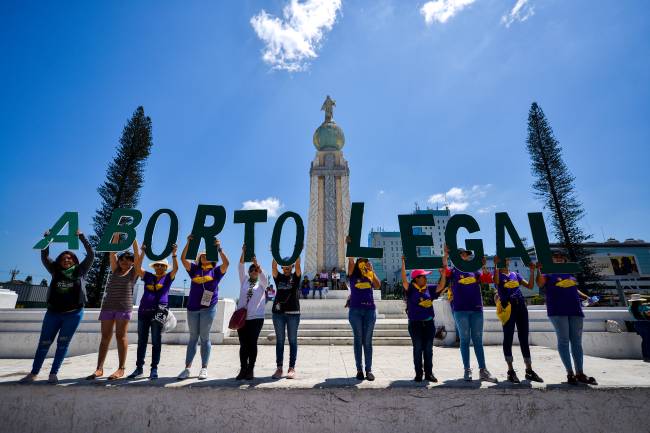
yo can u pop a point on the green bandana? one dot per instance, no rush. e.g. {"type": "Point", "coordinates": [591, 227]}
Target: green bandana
{"type": "Point", "coordinates": [68, 273]}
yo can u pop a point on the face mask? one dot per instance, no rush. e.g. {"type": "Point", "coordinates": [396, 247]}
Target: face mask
{"type": "Point", "coordinates": [68, 273]}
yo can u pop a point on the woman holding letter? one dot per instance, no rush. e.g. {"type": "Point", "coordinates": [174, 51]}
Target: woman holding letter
{"type": "Point", "coordinates": [202, 304]}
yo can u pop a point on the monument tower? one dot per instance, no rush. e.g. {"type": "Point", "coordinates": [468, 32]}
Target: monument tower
{"type": "Point", "coordinates": [329, 197]}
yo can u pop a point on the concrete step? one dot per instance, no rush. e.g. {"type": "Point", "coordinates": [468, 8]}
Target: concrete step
{"type": "Point", "coordinates": [333, 341]}
{"type": "Point", "coordinates": [342, 333]}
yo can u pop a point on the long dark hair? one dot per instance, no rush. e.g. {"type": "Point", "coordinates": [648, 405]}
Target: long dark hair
{"type": "Point", "coordinates": [75, 259]}
{"type": "Point", "coordinates": [356, 272]}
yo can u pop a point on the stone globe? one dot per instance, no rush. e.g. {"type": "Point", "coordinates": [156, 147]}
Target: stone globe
{"type": "Point", "coordinates": [329, 136]}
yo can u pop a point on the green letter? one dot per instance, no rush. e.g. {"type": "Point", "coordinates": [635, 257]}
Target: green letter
{"type": "Point", "coordinates": [249, 218]}
{"type": "Point", "coordinates": [543, 249]}
{"type": "Point", "coordinates": [131, 219]}
{"type": "Point", "coordinates": [277, 233]}
{"type": "Point", "coordinates": [354, 248]}
{"type": "Point", "coordinates": [208, 234]}
{"type": "Point", "coordinates": [72, 220]}
{"type": "Point", "coordinates": [476, 245]}
{"type": "Point", "coordinates": [171, 238]}
{"type": "Point", "coordinates": [502, 220]}
{"type": "Point", "coordinates": [411, 242]}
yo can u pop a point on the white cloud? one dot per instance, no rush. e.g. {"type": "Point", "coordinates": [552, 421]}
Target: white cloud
{"type": "Point", "coordinates": [521, 11]}
{"type": "Point", "coordinates": [294, 39]}
{"type": "Point", "coordinates": [459, 199]}
{"type": "Point", "coordinates": [442, 10]}
{"type": "Point", "coordinates": [271, 204]}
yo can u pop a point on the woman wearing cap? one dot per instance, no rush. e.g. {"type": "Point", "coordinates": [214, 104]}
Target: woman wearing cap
{"type": "Point", "coordinates": [305, 287]}
{"type": "Point", "coordinates": [419, 301]}
{"type": "Point", "coordinates": [467, 306]}
{"type": "Point", "coordinates": [362, 314]}
{"type": "Point", "coordinates": [509, 293]}
{"type": "Point", "coordinates": [640, 309]}
{"type": "Point", "coordinates": [155, 298]}
{"type": "Point", "coordinates": [564, 310]}
{"type": "Point", "coordinates": [286, 315]}
{"type": "Point", "coordinates": [202, 304]}
{"type": "Point", "coordinates": [66, 297]}
{"type": "Point", "coordinates": [117, 307]}
{"type": "Point", "coordinates": [252, 296]}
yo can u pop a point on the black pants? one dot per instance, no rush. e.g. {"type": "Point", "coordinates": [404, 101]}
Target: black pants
{"type": "Point", "coordinates": [422, 333]}
{"type": "Point", "coordinates": [248, 336]}
{"type": "Point", "coordinates": [519, 318]}
{"type": "Point", "coordinates": [146, 322]}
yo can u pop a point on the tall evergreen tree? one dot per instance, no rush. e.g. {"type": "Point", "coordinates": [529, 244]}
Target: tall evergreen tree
{"type": "Point", "coordinates": [121, 189]}
{"type": "Point", "coordinates": [555, 187]}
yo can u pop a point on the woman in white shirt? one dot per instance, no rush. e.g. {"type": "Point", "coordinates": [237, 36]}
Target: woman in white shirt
{"type": "Point", "coordinates": [252, 296]}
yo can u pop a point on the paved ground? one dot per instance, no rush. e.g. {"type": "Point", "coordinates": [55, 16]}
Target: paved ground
{"type": "Point", "coordinates": [333, 366]}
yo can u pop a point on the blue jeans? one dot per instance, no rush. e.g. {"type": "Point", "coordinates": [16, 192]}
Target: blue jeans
{"type": "Point", "coordinates": [362, 321]}
{"type": "Point", "coordinates": [422, 333]}
{"type": "Point", "coordinates": [146, 322]}
{"type": "Point", "coordinates": [200, 323]}
{"type": "Point", "coordinates": [64, 324]}
{"type": "Point", "coordinates": [470, 326]}
{"type": "Point", "coordinates": [290, 322]}
{"type": "Point", "coordinates": [569, 333]}
{"type": "Point", "coordinates": [643, 329]}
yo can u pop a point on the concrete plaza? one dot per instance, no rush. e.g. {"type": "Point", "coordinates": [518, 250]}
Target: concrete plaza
{"type": "Point", "coordinates": [325, 397]}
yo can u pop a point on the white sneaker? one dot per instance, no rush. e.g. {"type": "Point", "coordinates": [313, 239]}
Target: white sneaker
{"type": "Point", "coordinates": [53, 379]}
{"type": "Point", "coordinates": [184, 374]}
{"type": "Point", "coordinates": [203, 374]}
{"type": "Point", "coordinates": [487, 376]}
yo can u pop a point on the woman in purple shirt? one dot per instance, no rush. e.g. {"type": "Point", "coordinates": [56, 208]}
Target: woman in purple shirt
{"type": "Point", "coordinates": [362, 315]}
{"type": "Point", "coordinates": [419, 301]}
{"type": "Point", "coordinates": [467, 305]}
{"type": "Point", "coordinates": [565, 313]}
{"type": "Point", "coordinates": [202, 304]}
{"type": "Point", "coordinates": [153, 305]}
{"type": "Point", "coordinates": [509, 293]}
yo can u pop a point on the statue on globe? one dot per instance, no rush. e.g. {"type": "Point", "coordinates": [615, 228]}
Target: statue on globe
{"type": "Point", "coordinates": [328, 108]}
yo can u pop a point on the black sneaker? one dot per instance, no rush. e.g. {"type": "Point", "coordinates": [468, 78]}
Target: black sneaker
{"type": "Point", "coordinates": [137, 373]}
{"type": "Point", "coordinates": [418, 377]}
{"type": "Point", "coordinates": [533, 377]}
{"type": "Point", "coordinates": [250, 375]}
{"type": "Point", "coordinates": [430, 377]}
{"type": "Point", "coordinates": [512, 377]}
{"type": "Point", "coordinates": [242, 374]}
{"type": "Point", "coordinates": [360, 375]}
{"type": "Point", "coordinates": [571, 379]}
{"type": "Point", "coordinates": [582, 378]}
{"type": "Point", "coordinates": [370, 376]}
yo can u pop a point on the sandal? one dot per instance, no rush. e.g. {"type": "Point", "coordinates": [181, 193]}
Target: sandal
{"type": "Point", "coordinates": [98, 373]}
{"type": "Point", "coordinates": [571, 379]}
{"type": "Point", "coordinates": [119, 373]}
{"type": "Point", "coordinates": [582, 378]}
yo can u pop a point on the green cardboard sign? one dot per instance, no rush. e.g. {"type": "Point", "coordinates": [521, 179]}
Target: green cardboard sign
{"type": "Point", "coordinates": [411, 242]}
{"type": "Point", "coordinates": [503, 221]}
{"type": "Point", "coordinates": [354, 248]}
{"type": "Point", "coordinates": [71, 219]}
{"type": "Point", "coordinates": [543, 248]}
{"type": "Point", "coordinates": [277, 233]}
{"type": "Point", "coordinates": [249, 218]}
{"type": "Point", "coordinates": [171, 237]}
{"type": "Point", "coordinates": [124, 221]}
{"type": "Point", "coordinates": [207, 233]}
{"type": "Point", "coordinates": [476, 245]}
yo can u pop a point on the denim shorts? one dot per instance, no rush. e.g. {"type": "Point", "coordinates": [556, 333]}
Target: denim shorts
{"type": "Point", "coordinates": [115, 315]}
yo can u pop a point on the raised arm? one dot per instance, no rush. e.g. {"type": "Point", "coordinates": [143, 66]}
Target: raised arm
{"type": "Point", "coordinates": [113, 254]}
{"type": "Point", "coordinates": [174, 271]}
{"type": "Point", "coordinates": [405, 281]}
{"type": "Point", "coordinates": [186, 263]}
{"type": "Point", "coordinates": [90, 254]}
{"type": "Point", "coordinates": [541, 279]}
{"type": "Point", "coordinates": [274, 268]}
{"type": "Point", "coordinates": [443, 280]}
{"type": "Point", "coordinates": [497, 260]}
{"type": "Point", "coordinates": [224, 258]}
{"type": "Point", "coordinates": [298, 269]}
{"type": "Point", "coordinates": [375, 281]}
{"type": "Point", "coordinates": [242, 271]}
{"type": "Point", "coordinates": [350, 259]}
{"type": "Point", "coordinates": [45, 256]}
{"type": "Point", "coordinates": [264, 281]}
{"type": "Point", "coordinates": [138, 254]}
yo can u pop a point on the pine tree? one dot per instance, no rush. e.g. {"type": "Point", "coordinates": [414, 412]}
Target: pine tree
{"type": "Point", "coordinates": [121, 189]}
{"type": "Point", "coordinates": [555, 187]}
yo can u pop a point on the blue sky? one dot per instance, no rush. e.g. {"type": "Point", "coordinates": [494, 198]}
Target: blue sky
{"type": "Point", "coordinates": [433, 97]}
